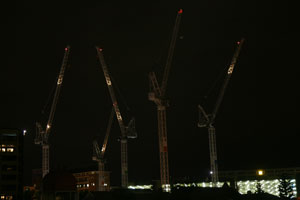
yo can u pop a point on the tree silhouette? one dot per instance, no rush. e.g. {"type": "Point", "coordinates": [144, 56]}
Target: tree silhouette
{"type": "Point", "coordinates": [259, 189]}
{"type": "Point", "coordinates": [285, 188]}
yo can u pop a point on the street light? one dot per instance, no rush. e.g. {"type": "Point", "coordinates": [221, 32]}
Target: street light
{"type": "Point", "coordinates": [260, 172]}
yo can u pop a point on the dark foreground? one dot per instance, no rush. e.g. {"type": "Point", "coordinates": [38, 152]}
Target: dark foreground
{"type": "Point", "coordinates": [177, 194]}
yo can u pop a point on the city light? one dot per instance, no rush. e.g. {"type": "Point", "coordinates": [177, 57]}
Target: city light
{"type": "Point", "coordinates": [268, 186]}
{"type": "Point", "coordinates": [260, 172]}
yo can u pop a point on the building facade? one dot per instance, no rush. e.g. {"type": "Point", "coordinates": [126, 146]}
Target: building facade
{"type": "Point", "coordinates": [11, 164]}
{"type": "Point", "coordinates": [246, 180]}
{"type": "Point", "coordinates": [88, 180]}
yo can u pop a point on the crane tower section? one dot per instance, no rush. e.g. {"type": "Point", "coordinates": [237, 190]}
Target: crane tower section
{"type": "Point", "coordinates": [207, 121]}
{"type": "Point", "coordinates": [126, 131]}
{"type": "Point", "coordinates": [157, 95]}
{"type": "Point", "coordinates": [42, 134]}
{"type": "Point", "coordinates": [99, 155]}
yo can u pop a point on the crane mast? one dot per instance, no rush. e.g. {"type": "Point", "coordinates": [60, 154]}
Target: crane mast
{"type": "Point", "coordinates": [157, 95]}
{"type": "Point", "coordinates": [42, 135]}
{"type": "Point", "coordinates": [206, 120]}
{"type": "Point", "coordinates": [125, 131]}
{"type": "Point", "coordinates": [99, 154]}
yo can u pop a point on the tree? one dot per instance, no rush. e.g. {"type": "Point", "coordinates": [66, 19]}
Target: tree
{"type": "Point", "coordinates": [259, 189]}
{"type": "Point", "coordinates": [285, 188]}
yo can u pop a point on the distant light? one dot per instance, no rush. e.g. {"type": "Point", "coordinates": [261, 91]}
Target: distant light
{"type": "Point", "coordinates": [24, 132]}
{"type": "Point", "coordinates": [180, 11]}
{"type": "Point", "coordinates": [260, 172]}
{"type": "Point", "coordinates": [105, 184]}
{"type": "Point", "coordinates": [100, 49]}
{"type": "Point", "coordinates": [211, 172]}
{"type": "Point", "coordinates": [238, 42]}
{"type": "Point", "coordinates": [66, 49]}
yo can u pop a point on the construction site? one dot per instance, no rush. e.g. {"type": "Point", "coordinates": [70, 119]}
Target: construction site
{"type": "Point", "coordinates": [99, 179]}
{"type": "Point", "coordinates": [169, 116]}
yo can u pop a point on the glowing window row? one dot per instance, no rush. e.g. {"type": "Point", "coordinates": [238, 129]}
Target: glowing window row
{"type": "Point", "coordinates": [268, 186]}
{"type": "Point", "coordinates": [7, 148]}
{"type": "Point", "coordinates": [85, 185]}
{"type": "Point", "coordinates": [5, 197]}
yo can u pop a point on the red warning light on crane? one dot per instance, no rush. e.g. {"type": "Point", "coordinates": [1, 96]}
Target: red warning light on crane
{"type": "Point", "coordinates": [238, 42]}
{"type": "Point", "coordinates": [66, 49]}
{"type": "Point", "coordinates": [100, 49]}
{"type": "Point", "coordinates": [180, 11]}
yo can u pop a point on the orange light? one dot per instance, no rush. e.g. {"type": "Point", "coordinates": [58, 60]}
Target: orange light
{"type": "Point", "coordinates": [180, 11]}
{"type": "Point", "coordinates": [260, 172]}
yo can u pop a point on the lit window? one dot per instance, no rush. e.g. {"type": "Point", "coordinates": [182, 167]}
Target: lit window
{"type": "Point", "coordinates": [87, 185]}
{"type": "Point", "coordinates": [105, 184]}
{"type": "Point", "coordinates": [3, 149]}
{"type": "Point", "coordinates": [10, 149]}
{"type": "Point", "coordinates": [2, 197]}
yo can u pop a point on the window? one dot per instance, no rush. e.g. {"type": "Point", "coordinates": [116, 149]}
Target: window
{"type": "Point", "coordinates": [9, 158]}
{"type": "Point", "coordinates": [9, 177]}
{"type": "Point", "coordinates": [10, 149]}
{"type": "Point", "coordinates": [3, 149]}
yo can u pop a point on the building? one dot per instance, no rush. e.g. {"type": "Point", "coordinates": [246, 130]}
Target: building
{"type": "Point", "coordinates": [59, 184]}
{"type": "Point", "coordinates": [88, 180]}
{"type": "Point", "coordinates": [11, 164]}
{"type": "Point", "coordinates": [37, 178]}
{"type": "Point", "coordinates": [246, 180]}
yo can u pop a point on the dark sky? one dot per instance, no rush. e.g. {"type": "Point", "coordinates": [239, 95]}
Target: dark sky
{"type": "Point", "coordinates": [256, 125]}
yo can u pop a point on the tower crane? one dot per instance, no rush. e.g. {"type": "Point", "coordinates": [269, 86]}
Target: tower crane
{"type": "Point", "coordinates": [42, 134]}
{"type": "Point", "coordinates": [126, 131]}
{"type": "Point", "coordinates": [157, 95]}
{"type": "Point", "coordinates": [207, 120]}
{"type": "Point", "coordinates": [99, 154]}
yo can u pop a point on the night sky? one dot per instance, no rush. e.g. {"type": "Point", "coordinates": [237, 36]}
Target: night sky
{"type": "Point", "coordinates": [257, 124]}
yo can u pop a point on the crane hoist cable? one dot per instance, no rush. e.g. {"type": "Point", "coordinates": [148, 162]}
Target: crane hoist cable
{"type": "Point", "coordinates": [216, 81]}
{"type": "Point", "coordinates": [120, 93]}
{"type": "Point", "coordinates": [49, 98]}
